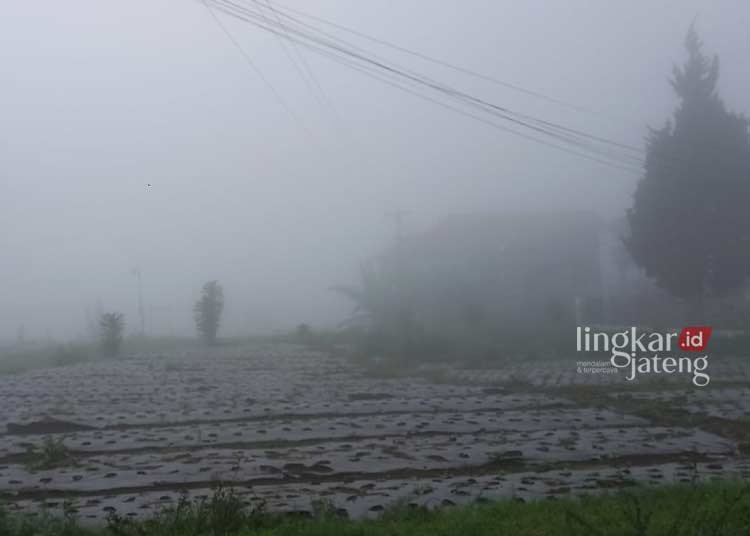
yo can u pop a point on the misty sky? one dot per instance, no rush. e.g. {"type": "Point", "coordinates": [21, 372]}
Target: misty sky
{"type": "Point", "coordinates": [98, 99]}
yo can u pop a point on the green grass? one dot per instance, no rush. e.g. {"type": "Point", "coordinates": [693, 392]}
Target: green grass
{"type": "Point", "coordinates": [20, 360]}
{"type": "Point", "coordinates": [53, 453]}
{"type": "Point", "coordinates": [16, 360]}
{"type": "Point", "coordinates": [719, 508]}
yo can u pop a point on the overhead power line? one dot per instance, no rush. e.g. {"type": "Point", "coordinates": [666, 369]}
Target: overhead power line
{"type": "Point", "coordinates": [576, 141]}
{"type": "Point", "coordinates": [316, 88]}
{"type": "Point", "coordinates": [443, 63]}
{"type": "Point", "coordinates": [249, 61]}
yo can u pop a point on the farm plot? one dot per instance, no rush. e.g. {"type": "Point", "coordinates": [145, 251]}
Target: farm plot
{"type": "Point", "coordinates": [564, 373]}
{"type": "Point", "coordinates": [291, 428]}
{"type": "Point", "coordinates": [726, 403]}
{"type": "Point", "coordinates": [370, 497]}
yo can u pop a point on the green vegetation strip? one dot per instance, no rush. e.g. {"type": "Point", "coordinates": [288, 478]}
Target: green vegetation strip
{"type": "Point", "coordinates": [718, 508]}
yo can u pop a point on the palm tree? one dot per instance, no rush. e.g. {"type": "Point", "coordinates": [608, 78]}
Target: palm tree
{"type": "Point", "coordinates": [380, 306]}
{"type": "Point", "coordinates": [372, 298]}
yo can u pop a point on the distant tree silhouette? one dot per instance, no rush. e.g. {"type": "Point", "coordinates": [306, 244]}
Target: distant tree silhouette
{"type": "Point", "coordinates": [303, 332]}
{"type": "Point", "coordinates": [207, 311]}
{"type": "Point", "coordinates": [690, 220]}
{"type": "Point", "coordinates": [111, 327]}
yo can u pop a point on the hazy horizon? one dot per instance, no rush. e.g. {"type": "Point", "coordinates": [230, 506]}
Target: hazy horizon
{"type": "Point", "coordinates": [102, 100]}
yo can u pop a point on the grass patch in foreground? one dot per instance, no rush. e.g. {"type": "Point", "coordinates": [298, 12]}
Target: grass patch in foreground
{"type": "Point", "coordinates": [719, 508]}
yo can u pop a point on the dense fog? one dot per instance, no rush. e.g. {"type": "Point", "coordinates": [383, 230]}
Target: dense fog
{"type": "Point", "coordinates": [136, 137]}
{"type": "Point", "coordinates": [291, 267]}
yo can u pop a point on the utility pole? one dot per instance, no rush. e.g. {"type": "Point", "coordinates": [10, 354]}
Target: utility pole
{"type": "Point", "coordinates": [141, 316]}
{"type": "Point", "coordinates": [398, 223]}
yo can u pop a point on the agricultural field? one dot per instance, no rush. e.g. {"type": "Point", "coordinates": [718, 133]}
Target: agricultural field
{"type": "Point", "coordinates": [293, 429]}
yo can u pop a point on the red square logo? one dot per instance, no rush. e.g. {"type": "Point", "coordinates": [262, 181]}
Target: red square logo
{"type": "Point", "coordinates": [694, 338]}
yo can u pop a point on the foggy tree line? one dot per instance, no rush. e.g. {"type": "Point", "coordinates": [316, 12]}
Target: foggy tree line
{"type": "Point", "coordinates": [688, 227]}
{"type": "Point", "coordinates": [207, 313]}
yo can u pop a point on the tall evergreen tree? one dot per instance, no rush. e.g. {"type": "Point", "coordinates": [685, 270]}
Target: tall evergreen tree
{"type": "Point", "coordinates": [207, 311]}
{"type": "Point", "coordinates": [690, 220]}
